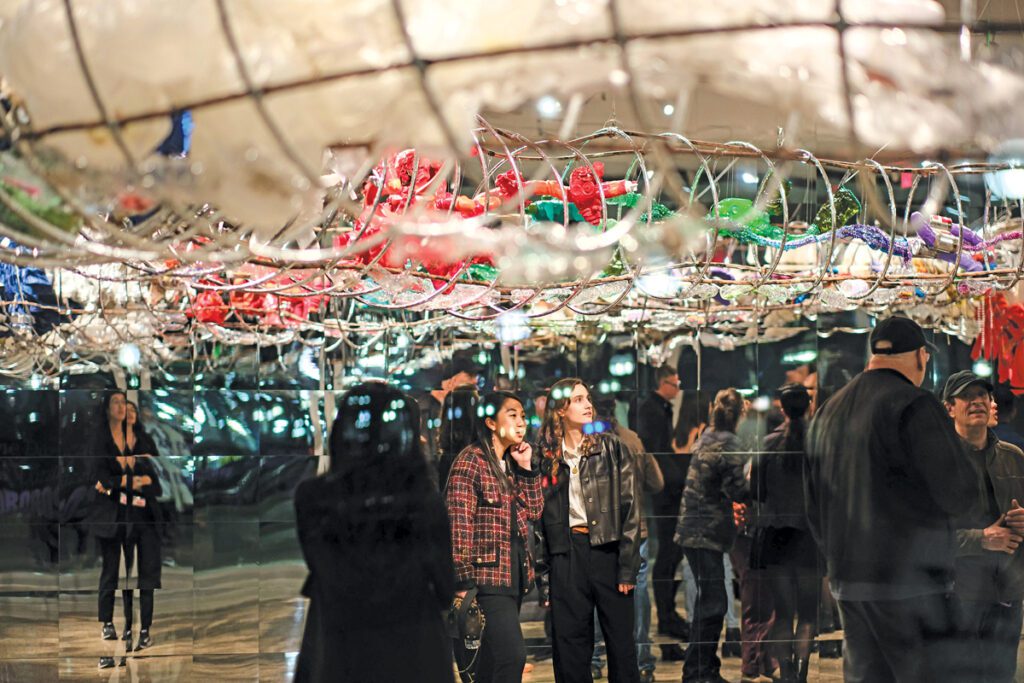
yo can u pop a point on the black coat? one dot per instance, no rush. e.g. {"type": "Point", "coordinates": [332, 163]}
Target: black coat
{"type": "Point", "coordinates": [107, 512]}
{"type": "Point", "coordinates": [611, 498]}
{"type": "Point", "coordinates": [376, 540]}
{"type": "Point", "coordinates": [884, 477]}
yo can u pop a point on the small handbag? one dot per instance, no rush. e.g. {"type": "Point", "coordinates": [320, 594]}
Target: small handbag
{"type": "Point", "coordinates": [466, 620]}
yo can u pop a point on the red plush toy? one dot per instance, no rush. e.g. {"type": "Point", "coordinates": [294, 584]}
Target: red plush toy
{"type": "Point", "coordinates": [1002, 339]}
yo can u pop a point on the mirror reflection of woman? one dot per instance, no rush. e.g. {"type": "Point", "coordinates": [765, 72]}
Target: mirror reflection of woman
{"type": "Point", "coordinates": [493, 493]}
{"type": "Point", "coordinates": [590, 552]}
{"type": "Point", "coordinates": [707, 530]}
{"type": "Point", "coordinates": [458, 427]}
{"type": "Point", "coordinates": [125, 522]}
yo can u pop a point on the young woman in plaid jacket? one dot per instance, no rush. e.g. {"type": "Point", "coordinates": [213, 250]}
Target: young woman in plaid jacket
{"type": "Point", "coordinates": [493, 491]}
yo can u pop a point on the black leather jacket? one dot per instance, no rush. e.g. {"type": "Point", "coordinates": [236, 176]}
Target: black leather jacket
{"type": "Point", "coordinates": [610, 497]}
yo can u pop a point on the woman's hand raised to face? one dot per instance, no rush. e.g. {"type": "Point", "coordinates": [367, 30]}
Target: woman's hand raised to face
{"type": "Point", "coordinates": [522, 453]}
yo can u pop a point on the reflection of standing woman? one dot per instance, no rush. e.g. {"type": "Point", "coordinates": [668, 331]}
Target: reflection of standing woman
{"type": "Point", "coordinates": [707, 530]}
{"type": "Point", "coordinates": [126, 489]}
{"type": "Point", "coordinates": [788, 550]}
{"type": "Point", "coordinates": [492, 493]}
{"type": "Point", "coordinates": [458, 427]}
{"type": "Point", "coordinates": [144, 533]}
{"type": "Point", "coordinates": [590, 552]}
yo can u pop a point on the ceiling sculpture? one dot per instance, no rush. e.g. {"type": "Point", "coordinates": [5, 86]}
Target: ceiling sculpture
{"type": "Point", "coordinates": [329, 178]}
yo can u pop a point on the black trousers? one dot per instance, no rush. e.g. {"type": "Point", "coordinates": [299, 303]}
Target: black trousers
{"type": "Point", "coordinates": [146, 540]}
{"type": "Point", "coordinates": [663, 576]}
{"type": "Point", "coordinates": [992, 631]}
{"type": "Point", "coordinates": [709, 608]}
{"type": "Point", "coordinates": [905, 641]}
{"type": "Point", "coordinates": [584, 578]}
{"type": "Point", "coordinates": [502, 653]}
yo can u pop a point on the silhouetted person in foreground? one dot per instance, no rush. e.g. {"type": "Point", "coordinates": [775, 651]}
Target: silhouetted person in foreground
{"type": "Point", "coordinates": [884, 477]}
{"type": "Point", "coordinates": [374, 534]}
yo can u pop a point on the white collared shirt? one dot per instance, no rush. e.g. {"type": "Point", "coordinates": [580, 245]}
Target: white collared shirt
{"type": "Point", "coordinates": [577, 510]}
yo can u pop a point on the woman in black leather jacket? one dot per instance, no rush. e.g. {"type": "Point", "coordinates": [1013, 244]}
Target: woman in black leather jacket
{"type": "Point", "coordinates": [590, 528]}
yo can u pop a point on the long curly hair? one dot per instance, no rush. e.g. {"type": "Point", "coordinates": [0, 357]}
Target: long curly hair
{"type": "Point", "coordinates": [552, 429]}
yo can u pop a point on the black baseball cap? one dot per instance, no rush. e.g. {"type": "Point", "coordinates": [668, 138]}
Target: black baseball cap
{"type": "Point", "coordinates": [959, 381]}
{"type": "Point", "coordinates": [897, 335]}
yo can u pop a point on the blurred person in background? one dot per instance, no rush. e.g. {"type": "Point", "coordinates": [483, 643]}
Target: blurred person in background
{"type": "Point", "coordinates": [461, 371]}
{"type": "Point", "coordinates": [458, 427]}
{"type": "Point", "coordinates": [784, 547]}
{"type": "Point", "coordinates": [653, 421]}
{"type": "Point", "coordinates": [707, 530]}
{"type": "Point", "coordinates": [1006, 413]}
{"type": "Point", "coordinates": [651, 482]}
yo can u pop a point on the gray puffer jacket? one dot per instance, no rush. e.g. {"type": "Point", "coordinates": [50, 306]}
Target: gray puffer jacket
{"type": "Point", "coordinates": [715, 479]}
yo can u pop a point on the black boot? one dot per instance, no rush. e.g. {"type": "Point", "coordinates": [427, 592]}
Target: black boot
{"type": "Point", "coordinates": [672, 653]}
{"type": "Point", "coordinates": [145, 640]}
{"type": "Point", "coordinates": [674, 626]}
{"type": "Point", "coordinates": [830, 649]}
{"type": "Point", "coordinates": [787, 671]}
{"type": "Point", "coordinates": [731, 647]}
{"type": "Point", "coordinates": [803, 669]}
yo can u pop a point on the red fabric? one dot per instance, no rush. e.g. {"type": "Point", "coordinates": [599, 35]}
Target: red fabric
{"type": "Point", "coordinates": [479, 509]}
{"type": "Point", "coordinates": [1002, 340]}
{"type": "Point", "coordinates": [208, 307]}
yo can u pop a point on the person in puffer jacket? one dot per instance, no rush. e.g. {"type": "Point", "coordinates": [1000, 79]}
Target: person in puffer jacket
{"type": "Point", "coordinates": [706, 529]}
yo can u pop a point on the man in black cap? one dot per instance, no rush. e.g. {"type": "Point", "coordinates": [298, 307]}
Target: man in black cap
{"type": "Point", "coordinates": [989, 567]}
{"type": "Point", "coordinates": [884, 477]}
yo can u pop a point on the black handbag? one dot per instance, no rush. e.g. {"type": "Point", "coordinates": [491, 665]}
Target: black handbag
{"type": "Point", "coordinates": [466, 620]}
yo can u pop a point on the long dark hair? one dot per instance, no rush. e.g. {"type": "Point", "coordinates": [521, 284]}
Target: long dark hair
{"type": "Point", "coordinates": [375, 420]}
{"type": "Point", "coordinates": [795, 400]}
{"type": "Point", "coordinates": [104, 431]}
{"type": "Point", "coordinates": [141, 435]}
{"type": "Point", "coordinates": [458, 420]}
{"type": "Point", "coordinates": [489, 407]}
{"type": "Point", "coordinates": [552, 431]}
{"type": "Point", "coordinates": [727, 410]}
{"type": "Point", "coordinates": [107, 398]}
{"type": "Point", "coordinates": [692, 411]}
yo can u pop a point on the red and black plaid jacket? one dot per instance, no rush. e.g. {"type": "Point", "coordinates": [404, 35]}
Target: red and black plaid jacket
{"type": "Point", "coordinates": [479, 510]}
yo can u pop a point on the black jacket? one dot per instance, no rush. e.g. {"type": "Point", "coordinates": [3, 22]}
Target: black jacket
{"type": "Point", "coordinates": [884, 477]}
{"type": "Point", "coordinates": [608, 478]}
{"type": "Point", "coordinates": [375, 538]}
{"type": "Point", "coordinates": [985, 574]}
{"type": "Point", "coordinates": [777, 484]}
{"type": "Point", "coordinates": [715, 479]}
{"type": "Point", "coordinates": [107, 511]}
{"type": "Point", "coordinates": [653, 423]}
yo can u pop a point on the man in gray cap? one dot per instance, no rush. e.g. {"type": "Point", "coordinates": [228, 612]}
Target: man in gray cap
{"type": "Point", "coordinates": [884, 478]}
{"type": "Point", "coordinates": [989, 566]}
